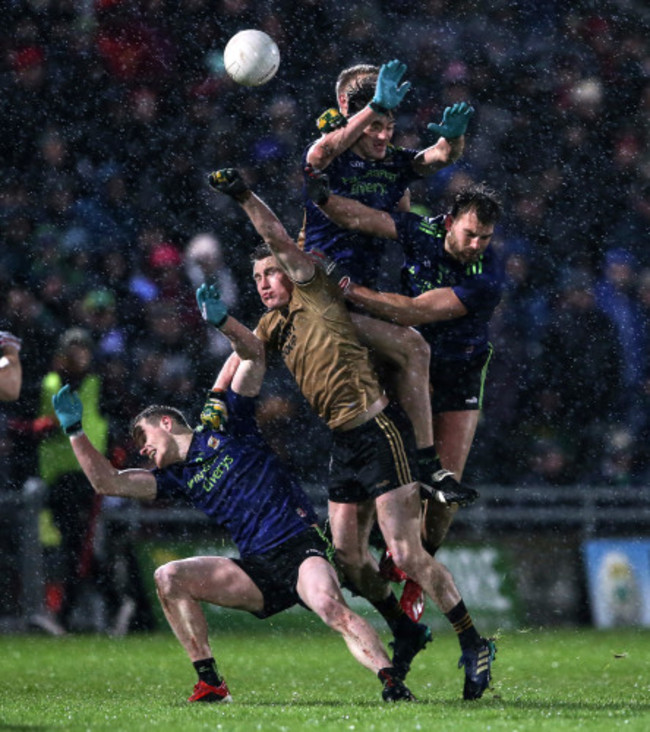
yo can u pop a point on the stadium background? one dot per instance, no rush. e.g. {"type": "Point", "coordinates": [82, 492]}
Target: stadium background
{"type": "Point", "coordinates": [114, 111]}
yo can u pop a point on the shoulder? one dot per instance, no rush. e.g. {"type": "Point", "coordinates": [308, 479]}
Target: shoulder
{"type": "Point", "coordinates": [411, 224]}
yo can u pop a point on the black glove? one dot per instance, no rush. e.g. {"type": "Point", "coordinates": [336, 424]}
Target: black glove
{"type": "Point", "coordinates": [318, 185]}
{"type": "Point", "coordinates": [230, 182]}
{"type": "Point", "coordinates": [332, 269]}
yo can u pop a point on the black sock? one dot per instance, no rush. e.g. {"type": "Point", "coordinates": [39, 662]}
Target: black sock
{"type": "Point", "coordinates": [428, 462]}
{"type": "Point", "coordinates": [206, 668]}
{"type": "Point", "coordinates": [392, 612]}
{"type": "Point", "coordinates": [468, 636]}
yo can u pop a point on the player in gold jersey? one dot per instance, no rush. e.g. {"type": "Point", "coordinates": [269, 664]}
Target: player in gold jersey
{"type": "Point", "coordinates": [373, 443]}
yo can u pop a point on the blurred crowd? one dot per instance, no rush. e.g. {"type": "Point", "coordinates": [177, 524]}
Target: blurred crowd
{"type": "Point", "coordinates": [114, 111]}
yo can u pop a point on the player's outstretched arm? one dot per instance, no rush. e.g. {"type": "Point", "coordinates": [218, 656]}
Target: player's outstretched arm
{"type": "Point", "coordinates": [298, 265]}
{"type": "Point", "coordinates": [340, 134]}
{"type": "Point", "coordinates": [104, 478]}
{"type": "Point", "coordinates": [346, 212]}
{"type": "Point", "coordinates": [244, 370]}
{"type": "Point", "coordinates": [451, 142]}
{"type": "Point", "coordinates": [214, 311]}
{"type": "Point", "coordinates": [432, 306]}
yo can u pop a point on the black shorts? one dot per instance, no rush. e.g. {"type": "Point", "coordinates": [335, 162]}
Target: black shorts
{"type": "Point", "coordinates": [372, 459]}
{"type": "Point", "coordinates": [459, 386]}
{"type": "Point", "coordinates": [276, 572]}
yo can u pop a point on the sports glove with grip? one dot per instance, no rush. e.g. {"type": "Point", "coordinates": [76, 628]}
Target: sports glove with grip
{"type": "Point", "coordinates": [228, 181]}
{"type": "Point", "coordinates": [388, 91]}
{"type": "Point", "coordinates": [332, 269]}
{"type": "Point", "coordinates": [330, 120]}
{"type": "Point", "coordinates": [317, 184]}
{"type": "Point", "coordinates": [454, 121]}
{"type": "Point", "coordinates": [215, 411]}
{"type": "Point", "coordinates": [211, 305]}
{"type": "Point", "coordinates": [68, 409]}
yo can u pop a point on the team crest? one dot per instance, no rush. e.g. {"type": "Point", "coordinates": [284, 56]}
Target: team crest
{"type": "Point", "coordinates": [213, 442]}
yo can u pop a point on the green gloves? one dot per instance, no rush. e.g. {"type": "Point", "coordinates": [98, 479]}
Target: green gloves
{"type": "Point", "coordinates": [211, 306]}
{"type": "Point", "coordinates": [454, 121]}
{"type": "Point", "coordinates": [215, 412]}
{"type": "Point", "coordinates": [330, 120]}
{"type": "Point", "coordinates": [68, 409]}
{"type": "Point", "coordinates": [388, 92]}
{"type": "Point", "coordinates": [230, 182]}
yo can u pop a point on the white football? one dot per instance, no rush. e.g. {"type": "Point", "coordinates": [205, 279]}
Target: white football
{"type": "Point", "coordinates": [251, 58]}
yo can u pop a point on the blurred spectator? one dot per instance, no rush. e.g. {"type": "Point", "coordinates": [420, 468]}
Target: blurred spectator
{"type": "Point", "coordinates": [616, 465]}
{"type": "Point", "coordinates": [579, 374]}
{"type": "Point", "coordinates": [204, 263]}
{"type": "Point", "coordinates": [114, 111]}
{"type": "Point", "coordinates": [516, 331]}
{"type": "Point", "coordinates": [616, 296]}
{"type": "Point", "coordinates": [74, 505]}
{"type": "Point", "coordinates": [549, 465]}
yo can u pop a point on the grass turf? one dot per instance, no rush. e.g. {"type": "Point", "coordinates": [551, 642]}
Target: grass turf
{"type": "Point", "coordinates": [291, 676]}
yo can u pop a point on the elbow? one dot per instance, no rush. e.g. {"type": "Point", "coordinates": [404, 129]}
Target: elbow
{"type": "Point", "coordinates": [318, 158]}
{"type": "Point", "coordinates": [103, 487]}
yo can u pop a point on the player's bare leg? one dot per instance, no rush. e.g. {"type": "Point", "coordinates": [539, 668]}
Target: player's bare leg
{"type": "Point", "coordinates": [405, 350]}
{"type": "Point", "coordinates": [182, 586]}
{"type": "Point", "coordinates": [454, 433]}
{"type": "Point", "coordinates": [318, 587]}
{"type": "Point", "coordinates": [351, 524]}
{"type": "Point", "coordinates": [454, 436]}
{"type": "Point", "coordinates": [398, 513]}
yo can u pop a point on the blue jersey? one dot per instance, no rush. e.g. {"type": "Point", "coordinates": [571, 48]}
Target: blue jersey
{"type": "Point", "coordinates": [237, 480]}
{"type": "Point", "coordinates": [376, 183]}
{"type": "Point", "coordinates": [478, 286]}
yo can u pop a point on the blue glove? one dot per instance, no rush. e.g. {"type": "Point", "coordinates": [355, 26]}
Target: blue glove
{"type": "Point", "coordinates": [454, 121]}
{"type": "Point", "coordinates": [388, 92]}
{"type": "Point", "coordinates": [211, 306]}
{"type": "Point", "coordinates": [69, 409]}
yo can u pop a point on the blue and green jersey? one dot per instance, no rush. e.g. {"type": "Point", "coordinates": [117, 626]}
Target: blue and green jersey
{"type": "Point", "coordinates": [379, 184]}
{"type": "Point", "coordinates": [478, 286]}
{"type": "Point", "coordinates": [237, 481]}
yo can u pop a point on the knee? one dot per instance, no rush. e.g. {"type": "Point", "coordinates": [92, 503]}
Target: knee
{"type": "Point", "coordinates": [408, 560]}
{"type": "Point", "coordinates": [330, 610]}
{"type": "Point", "coordinates": [167, 579]}
{"type": "Point", "coordinates": [418, 351]}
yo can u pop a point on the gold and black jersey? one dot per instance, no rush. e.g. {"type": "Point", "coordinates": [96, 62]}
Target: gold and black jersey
{"type": "Point", "coordinates": [319, 346]}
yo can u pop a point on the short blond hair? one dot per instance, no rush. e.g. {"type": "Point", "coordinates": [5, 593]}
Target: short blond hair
{"type": "Point", "coordinates": [351, 76]}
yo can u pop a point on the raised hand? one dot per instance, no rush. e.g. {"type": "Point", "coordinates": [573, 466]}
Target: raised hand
{"type": "Point", "coordinates": [454, 121]}
{"type": "Point", "coordinates": [68, 409]}
{"type": "Point", "coordinates": [211, 305]}
{"type": "Point", "coordinates": [388, 91]}
{"type": "Point", "coordinates": [228, 181]}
